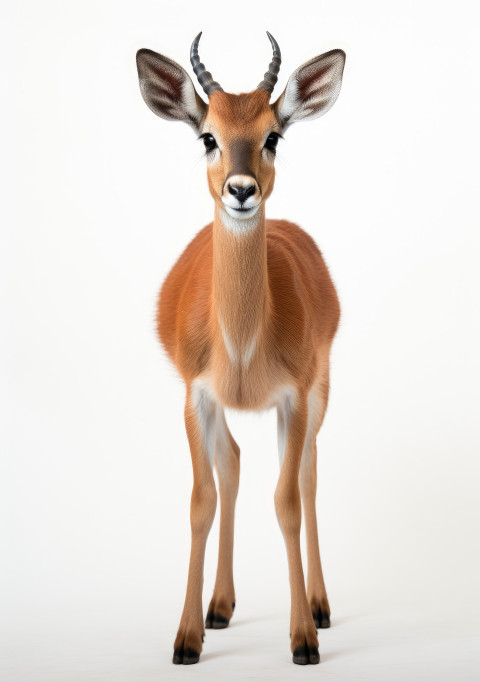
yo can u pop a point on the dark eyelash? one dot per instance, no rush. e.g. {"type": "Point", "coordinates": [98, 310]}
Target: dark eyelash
{"type": "Point", "coordinates": [272, 147]}
{"type": "Point", "coordinates": [204, 137]}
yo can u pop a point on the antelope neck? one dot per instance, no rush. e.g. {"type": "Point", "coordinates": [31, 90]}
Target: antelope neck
{"type": "Point", "coordinates": [240, 279]}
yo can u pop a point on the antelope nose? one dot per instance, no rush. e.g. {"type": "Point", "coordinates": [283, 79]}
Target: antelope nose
{"type": "Point", "coordinates": [241, 193]}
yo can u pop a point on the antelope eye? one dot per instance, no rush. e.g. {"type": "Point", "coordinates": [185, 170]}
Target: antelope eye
{"type": "Point", "coordinates": [209, 142]}
{"type": "Point", "coordinates": [272, 141]}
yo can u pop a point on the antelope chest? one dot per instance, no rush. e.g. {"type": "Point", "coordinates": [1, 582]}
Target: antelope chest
{"type": "Point", "coordinates": [239, 353]}
{"type": "Point", "coordinates": [241, 374]}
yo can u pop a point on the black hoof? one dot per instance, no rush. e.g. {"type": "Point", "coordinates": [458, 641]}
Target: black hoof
{"type": "Point", "coordinates": [215, 621]}
{"type": "Point", "coordinates": [303, 655]}
{"type": "Point", "coordinates": [190, 656]}
{"type": "Point", "coordinates": [322, 619]}
{"type": "Point", "coordinates": [219, 622]}
{"type": "Point", "coordinates": [300, 655]}
{"type": "Point", "coordinates": [185, 656]}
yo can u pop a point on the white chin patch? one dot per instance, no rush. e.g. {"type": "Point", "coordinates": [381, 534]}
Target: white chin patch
{"type": "Point", "coordinates": [240, 222]}
{"type": "Point", "coordinates": [243, 214]}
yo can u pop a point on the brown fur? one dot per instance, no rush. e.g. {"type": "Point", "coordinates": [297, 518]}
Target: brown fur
{"type": "Point", "coordinates": [269, 285]}
{"type": "Point", "coordinates": [250, 315]}
{"type": "Point", "coordinates": [288, 290]}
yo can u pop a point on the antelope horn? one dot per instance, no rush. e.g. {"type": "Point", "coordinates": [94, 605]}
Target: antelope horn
{"type": "Point", "coordinates": [205, 78]}
{"type": "Point", "coordinates": [270, 78]}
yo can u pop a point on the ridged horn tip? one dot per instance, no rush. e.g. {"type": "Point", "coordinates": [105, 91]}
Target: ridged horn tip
{"type": "Point", "coordinates": [205, 78]}
{"type": "Point", "coordinates": [273, 42]}
{"type": "Point", "coordinates": [195, 45]}
{"type": "Point", "coordinates": [270, 77]}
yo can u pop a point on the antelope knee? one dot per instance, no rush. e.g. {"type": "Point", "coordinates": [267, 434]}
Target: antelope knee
{"type": "Point", "coordinates": [288, 507]}
{"type": "Point", "coordinates": [203, 507]}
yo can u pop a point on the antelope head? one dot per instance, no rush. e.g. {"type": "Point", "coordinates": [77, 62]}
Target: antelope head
{"type": "Point", "coordinates": [240, 132]}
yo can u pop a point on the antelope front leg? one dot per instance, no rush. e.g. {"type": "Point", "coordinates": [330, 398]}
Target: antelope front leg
{"type": "Point", "coordinates": [200, 414]}
{"type": "Point", "coordinates": [227, 462]}
{"type": "Point", "coordinates": [316, 593]}
{"type": "Point", "coordinates": [303, 634]}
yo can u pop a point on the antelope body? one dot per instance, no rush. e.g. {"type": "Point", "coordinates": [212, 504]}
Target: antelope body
{"type": "Point", "coordinates": [248, 315]}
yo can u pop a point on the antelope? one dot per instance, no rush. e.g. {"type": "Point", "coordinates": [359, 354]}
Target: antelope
{"type": "Point", "coordinates": [247, 315]}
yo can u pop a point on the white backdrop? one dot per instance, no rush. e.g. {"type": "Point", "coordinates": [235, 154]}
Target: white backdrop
{"type": "Point", "coordinates": [100, 198]}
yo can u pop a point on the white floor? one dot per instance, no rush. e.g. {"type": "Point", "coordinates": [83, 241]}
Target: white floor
{"type": "Point", "coordinates": [384, 646]}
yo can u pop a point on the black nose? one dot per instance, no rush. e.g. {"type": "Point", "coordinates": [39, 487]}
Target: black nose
{"type": "Point", "coordinates": [241, 193]}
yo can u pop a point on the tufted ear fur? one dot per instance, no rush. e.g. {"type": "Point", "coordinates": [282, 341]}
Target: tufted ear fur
{"type": "Point", "coordinates": [312, 89]}
{"type": "Point", "coordinates": [168, 89]}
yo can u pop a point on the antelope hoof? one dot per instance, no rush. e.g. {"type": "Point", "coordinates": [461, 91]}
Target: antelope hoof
{"type": "Point", "coordinates": [188, 645]}
{"type": "Point", "coordinates": [215, 619]}
{"type": "Point", "coordinates": [304, 645]}
{"type": "Point", "coordinates": [303, 655]}
{"type": "Point", "coordinates": [185, 656]}
{"type": "Point", "coordinates": [321, 618]}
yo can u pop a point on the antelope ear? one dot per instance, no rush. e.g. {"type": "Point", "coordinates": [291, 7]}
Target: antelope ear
{"type": "Point", "coordinates": [312, 89]}
{"type": "Point", "coordinates": [168, 89]}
